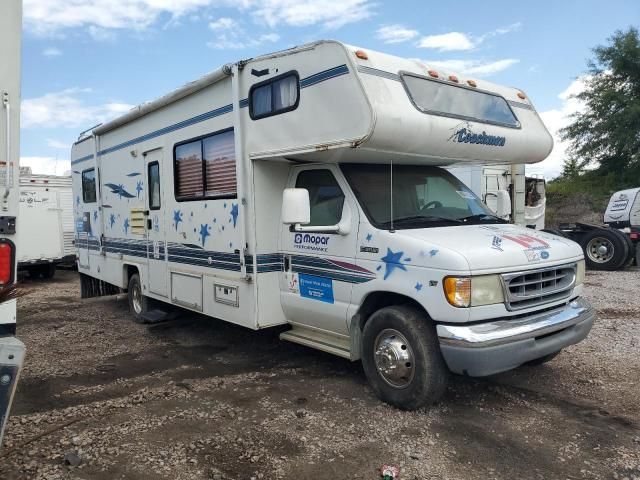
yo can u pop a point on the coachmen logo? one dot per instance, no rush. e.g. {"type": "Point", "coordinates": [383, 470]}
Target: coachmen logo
{"type": "Point", "coordinates": [306, 241]}
{"type": "Point", "coordinates": [465, 135]}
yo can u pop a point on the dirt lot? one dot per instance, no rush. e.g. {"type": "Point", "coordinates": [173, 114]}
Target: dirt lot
{"type": "Point", "coordinates": [202, 399]}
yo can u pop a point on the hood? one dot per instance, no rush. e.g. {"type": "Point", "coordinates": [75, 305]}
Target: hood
{"type": "Point", "coordinates": [500, 247]}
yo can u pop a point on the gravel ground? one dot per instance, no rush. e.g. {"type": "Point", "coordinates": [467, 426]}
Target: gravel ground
{"type": "Point", "coordinates": [104, 398]}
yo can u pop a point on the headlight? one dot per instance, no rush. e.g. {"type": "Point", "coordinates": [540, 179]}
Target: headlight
{"type": "Point", "coordinates": [473, 291]}
{"type": "Point", "coordinates": [580, 272]}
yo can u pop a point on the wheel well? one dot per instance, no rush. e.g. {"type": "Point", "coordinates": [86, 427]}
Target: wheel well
{"type": "Point", "coordinates": [129, 271]}
{"type": "Point", "coordinates": [377, 300]}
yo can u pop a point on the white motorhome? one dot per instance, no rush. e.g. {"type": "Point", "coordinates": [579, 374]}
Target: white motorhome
{"type": "Point", "coordinates": [12, 351]}
{"type": "Point", "coordinates": [305, 188]}
{"type": "Point", "coordinates": [46, 211]}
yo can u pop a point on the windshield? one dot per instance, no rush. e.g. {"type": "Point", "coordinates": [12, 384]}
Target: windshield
{"type": "Point", "coordinates": [422, 197]}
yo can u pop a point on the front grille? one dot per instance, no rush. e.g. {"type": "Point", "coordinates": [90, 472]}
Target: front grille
{"type": "Point", "coordinates": [538, 287]}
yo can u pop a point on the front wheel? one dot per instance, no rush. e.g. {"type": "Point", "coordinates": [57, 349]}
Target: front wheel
{"type": "Point", "coordinates": [604, 249]}
{"type": "Point", "coordinates": [401, 358]}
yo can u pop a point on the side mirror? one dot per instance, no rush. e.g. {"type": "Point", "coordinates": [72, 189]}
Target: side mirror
{"type": "Point", "coordinates": [503, 204]}
{"type": "Point", "coordinates": [295, 206]}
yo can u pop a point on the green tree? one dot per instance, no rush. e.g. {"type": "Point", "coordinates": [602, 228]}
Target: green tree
{"type": "Point", "coordinates": [606, 135]}
{"type": "Point", "coordinates": [571, 168]}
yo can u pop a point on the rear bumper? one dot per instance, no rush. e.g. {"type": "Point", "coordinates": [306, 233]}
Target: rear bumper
{"type": "Point", "coordinates": [12, 352]}
{"type": "Point", "coordinates": [492, 347]}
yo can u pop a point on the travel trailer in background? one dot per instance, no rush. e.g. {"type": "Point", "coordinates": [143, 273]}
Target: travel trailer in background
{"type": "Point", "coordinates": [527, 194]}
{"type": "Point", "coordinates": [46, 212]}
{"type": "Point", "coordinates": [306, 188]}
{"type": "Point", "coordinates": [12, 351]}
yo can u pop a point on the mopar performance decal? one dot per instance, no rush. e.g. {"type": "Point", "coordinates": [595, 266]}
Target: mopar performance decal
{"type": "Point", "coordinates": [307, 241]}
{"type": "Point", "coordinates": [316, 288]}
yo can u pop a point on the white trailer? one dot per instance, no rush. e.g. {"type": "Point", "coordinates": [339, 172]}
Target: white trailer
{"type": "Point", "coordinates": [12, 351]}
{"type": "Point", "coordinates": [46, 211]}
{"type": "Point", "coordinates": [305, 188]}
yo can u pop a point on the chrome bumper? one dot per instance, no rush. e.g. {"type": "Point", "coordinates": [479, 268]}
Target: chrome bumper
{"type": "Point", "coordinates": [495, 346]}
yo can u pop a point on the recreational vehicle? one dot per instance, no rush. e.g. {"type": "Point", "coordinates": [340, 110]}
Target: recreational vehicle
{"type": "Point", "coordinates": [12, 351]}
{"type": "Point", "coordinates": [46, 211]}
{"type": "Point", "coordinates": [306, 188]}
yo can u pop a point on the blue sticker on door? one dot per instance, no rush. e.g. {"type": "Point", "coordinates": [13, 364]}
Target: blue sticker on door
{"type": "Point", "coordinates": [316, 288]}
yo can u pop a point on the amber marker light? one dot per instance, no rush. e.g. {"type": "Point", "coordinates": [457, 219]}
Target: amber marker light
{"type": "Point", "coordinates": [361, 54]}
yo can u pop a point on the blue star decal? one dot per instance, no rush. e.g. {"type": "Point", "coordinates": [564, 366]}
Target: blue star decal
{"type": "Point", "coordinates": [177, 218]}
{"type": "Point", "coordinates": [95, 216]}
{"type": "Point", "coordinates": [433, 252]}
{"type": "Point", "coordinates": [126, 226]}
{"type": "Point", "coordinates": [391, 262]}
{"type": "Point", "coordinates": [204, 232]}
{"type": "Point", "coordinates": [234, 214]}
{"type": "Point", "coordinates": [369, 237]}
{"type": "Point", "coordinates": [139, 187]}
{"type": "Point", "coordinates": [78, 200]}
{"type": "Point", "coordinates": [418, 286]}
{"type": "Point", "coordinates": [112, 220]}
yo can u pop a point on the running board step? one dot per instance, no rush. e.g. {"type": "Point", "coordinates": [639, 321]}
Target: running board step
{"type": "Point", "coordinates": [318, 339]}
{"type": "Point", "coordinates": [157, 316]}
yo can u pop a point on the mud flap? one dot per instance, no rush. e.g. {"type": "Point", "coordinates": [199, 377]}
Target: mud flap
{"type": "Point", "coordinates": [92, 287]}
{"type": "Point", "coordinates": [12, 353]}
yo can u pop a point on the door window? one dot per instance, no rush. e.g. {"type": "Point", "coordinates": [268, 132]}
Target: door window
{"type": "Point", "coordinates": [325, 196]}
{"type": "Point", "coordinates": [154, 186]}
{"type": "Point", "coordinates": [89, 186]}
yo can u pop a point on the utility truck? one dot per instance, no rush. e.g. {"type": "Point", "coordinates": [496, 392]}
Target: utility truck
{"type": "Point", "coordinates": [46, 211]}
{"type": "Point", "coordinates": [12, 351]}
{"type": "Point", "coordinates": [306, 188]}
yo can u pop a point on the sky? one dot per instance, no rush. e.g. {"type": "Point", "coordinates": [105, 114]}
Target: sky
{"type": "Point", "coordinates": [87, 61]}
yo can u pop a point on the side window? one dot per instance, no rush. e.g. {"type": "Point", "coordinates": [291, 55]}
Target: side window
{"type": "Point", "coordinates": [325, 196]}
{"type": "Point", "coordinates": [89, 186]}
{"type": "Point", "coordinates": [272, 97]}
{"type": "Point", "coordinates": [206, 168]}
{"type": "Point", "coordinates": [154, 185]}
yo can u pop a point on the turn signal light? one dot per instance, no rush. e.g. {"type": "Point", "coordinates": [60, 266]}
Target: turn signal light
{"type": "Point", "coordinates": [362, 54]}
{"type": "Point", "coordinates": [433, 73]}
{"type": "Point", "coordinates": [7, 253]}
{"type": "Point", "coordinates": [458, 291]}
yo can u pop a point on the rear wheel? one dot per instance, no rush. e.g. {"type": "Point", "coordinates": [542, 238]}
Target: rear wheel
{"type": "Point", "coordinates": [48, 271]}
{"type": "Point", "coordinates": [604, 249]}
{"type": "Point", "coordinates": [401, 358]}
{"type": "Point", "coordinates": [138, 303]}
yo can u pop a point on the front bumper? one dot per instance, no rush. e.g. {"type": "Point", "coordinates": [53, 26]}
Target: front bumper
{"type": "Point", "coordinates": [491, 347]}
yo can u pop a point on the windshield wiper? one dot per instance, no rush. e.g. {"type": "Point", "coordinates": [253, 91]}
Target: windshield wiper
{"type": "Point", "coordinates": [413, 219]}
{"type": "Point", "coordinates": [483, 217]}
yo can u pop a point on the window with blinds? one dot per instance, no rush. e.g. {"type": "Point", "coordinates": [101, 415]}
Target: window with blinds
{"type": "Point", "coordinates": [206, 167]}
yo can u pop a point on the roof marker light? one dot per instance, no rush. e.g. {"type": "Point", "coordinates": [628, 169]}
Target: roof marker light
{"type": "Point", "coordinates": [362, 54]}
{"type": "Point", "coordinates": [472, 83]}
{"type": "Point", "coordinates": [453, 78]}
{"type": "Point", "coordinates": [433, 73]}
{"type": "Point", "coordinates": [521, 95]}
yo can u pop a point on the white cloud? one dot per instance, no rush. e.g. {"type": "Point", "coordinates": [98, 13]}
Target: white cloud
{"type": "Point", "coordinates": [46, 165]}
{"type": "Point", "coordinates": [474, 67]}
{"type": "Point", "coordinates": [451, 41]}
{"type": "Point", "coordinates": [67, 109]}
{"type": "Point", "coordinates": [52, 52]}
{"type": "Point", "coordinates": [101, 18]}
{"type": "Point", "coordinates": [58, 145]}
{"type": "Point", "coordinates": [555, 119]}
{"type": "Point", "coordinates": [447, 42]}
{"type": "Point", "coordinates": [396, 33]}
{"type": "Point", "coordinates": [229, 34]}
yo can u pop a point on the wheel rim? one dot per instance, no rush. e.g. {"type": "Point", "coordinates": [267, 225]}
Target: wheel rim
{"type": "Point", "coordinates": [600, 250]}
{"type": "Point", "coordinates": [394, 358]}
{"type": "Point", "coordinates": [136, 299]}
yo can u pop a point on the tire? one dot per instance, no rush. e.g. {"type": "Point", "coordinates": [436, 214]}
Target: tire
{"type": "Point", "coordinates": [614, 252]}
{"type": "Point", "coordinates": [33, 273]}
{"type": "Point", "coordinates": [48, 271]}
{"type": "Point", "coordinates": [631, 252]}
{"type": "Point", "coordinates": [637, 254]}
{"type": "Point", "coordinates": [547, 358]}
{"type": "Point", "coordinates": [138, 303]}
{"type": "Point", "coordinates": [403, 331]}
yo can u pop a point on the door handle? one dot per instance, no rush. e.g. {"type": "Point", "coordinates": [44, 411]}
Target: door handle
{"type": "Point", "coordinates": [149, 224]}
